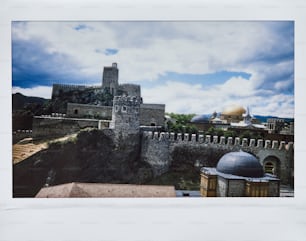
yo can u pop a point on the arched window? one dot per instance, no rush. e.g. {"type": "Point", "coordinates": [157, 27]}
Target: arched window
{"type": "Point", "coordinates": [124, 109]}
{"type": "Point", "coordinates": [76, 111]}
{"type": "Point", "coordinates": [269, 167]}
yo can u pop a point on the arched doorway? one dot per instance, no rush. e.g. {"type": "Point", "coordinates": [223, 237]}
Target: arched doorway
{"type": "Point", "coordinates": [152, 122]}
{"type": "Point", "coordinates": [271, 164]}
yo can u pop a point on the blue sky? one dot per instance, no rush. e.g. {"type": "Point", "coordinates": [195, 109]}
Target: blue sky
{"type": "Point", "coordinates": [192, 67]}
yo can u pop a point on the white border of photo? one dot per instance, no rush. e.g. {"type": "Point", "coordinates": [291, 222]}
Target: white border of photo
{"type": "Point", "coordinates": [171, 219]}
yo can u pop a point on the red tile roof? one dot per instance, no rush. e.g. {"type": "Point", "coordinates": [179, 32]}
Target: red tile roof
{"type": "Point", "coordinates": [75, 189]}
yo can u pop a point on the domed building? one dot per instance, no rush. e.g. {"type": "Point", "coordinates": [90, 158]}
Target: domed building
{"type": "Point", "coordinates": [238, 174]}
{"type": "Point", "coordinates": [201, 122]}
{"type": "Point", "coordinates": [232, 114]}
{"type": "Point", "coordinates": [199, 119]}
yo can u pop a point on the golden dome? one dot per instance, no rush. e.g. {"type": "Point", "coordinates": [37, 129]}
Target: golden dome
{"type": "Point", "coordinates": [234, 110]}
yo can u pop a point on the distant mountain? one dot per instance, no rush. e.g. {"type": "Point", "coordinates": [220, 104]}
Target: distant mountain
{"type": "Point", "coordinates": [261, 118]}
{"type": "Point", "coordinates": [24, 108]}
{"type": "Point", "coordinates": [20, 101]}
{"type": "Point", "coordinates": [265, 118]}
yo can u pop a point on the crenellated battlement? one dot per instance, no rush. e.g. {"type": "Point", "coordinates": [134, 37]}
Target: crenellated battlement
{"type": "Point", "coordinates": [69, 87]}
{"type": "Point", "coordinates": [215, 140]}
{"type": "Point", "coordinates": [58, 89]}
{"type": "Point", "coordinates": [22, 131]}
{"type": "Point", "coordinates": [127, 100]}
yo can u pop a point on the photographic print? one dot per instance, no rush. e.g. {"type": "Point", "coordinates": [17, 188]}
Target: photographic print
{"type": "Point", "coordinates": [185, 109]}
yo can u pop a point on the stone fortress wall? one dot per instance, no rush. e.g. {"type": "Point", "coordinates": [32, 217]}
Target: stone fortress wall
{"type": "Point", "coordinates": [129, 89]}
{"type": "Point", "coordinates": [109, 83]}
{"type": "Point", "coordinates": [45, 127]}
{"type": "Point", "coordinates": [125, 115]}
{"type": "Point", "coordinates": [21, 134]}
{"type": "Point", "coordinates": [150, 114]}
{"type": "Point", "coordinates": [160, 149]}
{"type": "Point", "coordinates": [59, 89]}
{"type": "Point", "coordinates": [75, 110]}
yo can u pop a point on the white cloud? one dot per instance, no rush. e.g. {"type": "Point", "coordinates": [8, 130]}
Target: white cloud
{"type": "Point", "coordinates": [38, 91]}
{"type": "Point", "coordinates": [149, 49]}
{"type": "Point", "coordinates": [281, 85]}
{"type": "Point", "coordinates": [187, 98]}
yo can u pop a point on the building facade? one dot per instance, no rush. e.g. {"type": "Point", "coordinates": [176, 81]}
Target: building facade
{"type": "Point", "coordinates": [238, 174]}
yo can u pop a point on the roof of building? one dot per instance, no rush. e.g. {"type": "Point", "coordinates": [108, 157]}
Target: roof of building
{"type": "Point", "coordinates": [212, 171]}
{"type": "Point", "coordinates": [249, 125]}
{"type": "Point", "coordinates": [75, 189]}
{"type": "Point", "coordinates": [199, 119]}
{"type": "Point", "coordinates": [234, 110]}
{"type": "Point", "coordinates": [240, 164]}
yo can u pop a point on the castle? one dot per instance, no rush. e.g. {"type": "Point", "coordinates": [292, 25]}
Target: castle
{"type": "Point", "coordinates": [129, 116]}
{"type": "Point", "coordinates": [91, 106]}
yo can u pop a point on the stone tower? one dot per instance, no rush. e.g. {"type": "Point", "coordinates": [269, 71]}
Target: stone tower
{"type": "Point", "coordinates": [110, 79]}
{"type": "Point", "coordinates": [125, 116]}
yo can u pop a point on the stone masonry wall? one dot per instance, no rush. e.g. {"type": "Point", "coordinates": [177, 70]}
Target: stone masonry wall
{"type": "Point", "coordinates": [149, 113]}
{"type": "Point", "coordinates": [130, 89]}
{"type": "Point", "coordinates": [89, 111]}
{"type": "Point", "coordinates": [194, 149]}
{"type": "Point", "coordinates": [58, 126]}
{"type": "Point", "coordinates": [222, 187]}
{"type": "Point", "coordinates": [156, 153]}
{"type": "Point", "coordinates": [152, 114]}
{"type": "Point", "coordinates": [21, 134]}
{"type": "Point", "coordinates": [125, 115]}
{"type": "Point", "coordinates": [58, 89]}
{"type": "Point", "coordinates": [236, 188]}
{"type": "Point", "coordinates": [273, 189]}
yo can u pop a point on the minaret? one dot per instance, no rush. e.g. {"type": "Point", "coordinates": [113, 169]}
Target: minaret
{"type": "Point", "coordinates": [247, 118]}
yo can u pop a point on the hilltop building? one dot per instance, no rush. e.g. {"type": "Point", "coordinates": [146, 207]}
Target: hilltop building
{"type": "Point", "coordinates": [278, 125]}
{"type": "Point", "coordinates": [232, 114]}
{"type": "Point", "coordinates": [238, 119]}
{"type": "Point", "coordinates": [87, 107]}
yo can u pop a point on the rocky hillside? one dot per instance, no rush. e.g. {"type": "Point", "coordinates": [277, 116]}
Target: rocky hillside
{"type": "Point", "coordinates": [21, 101]}
{"type": "Point", "coordinates": [92, 156]}
{"type": "Point", "coordinates": [25, 107]}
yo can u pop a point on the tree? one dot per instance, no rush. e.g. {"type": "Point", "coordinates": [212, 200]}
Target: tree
{"type": "Point", "coordinates": [229, 133]}
{"type": "Point", "coordinates": [182, 123]}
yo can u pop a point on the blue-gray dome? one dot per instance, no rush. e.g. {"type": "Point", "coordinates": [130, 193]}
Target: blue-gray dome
{"type": "Point", "coordinates": [240, 164]}
{"type": "Point", "coordinates": [199, 119]}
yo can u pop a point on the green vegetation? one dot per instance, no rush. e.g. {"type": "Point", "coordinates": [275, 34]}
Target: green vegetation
{"type": "Point", "coordinates": [251, 135]}
{"type": "Point", "coordinates": [245, 134]}
{"type": "Point", "coordinates": [182, 123]}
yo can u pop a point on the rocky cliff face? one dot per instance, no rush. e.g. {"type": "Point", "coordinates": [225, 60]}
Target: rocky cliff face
{"type": "Point", "coordinates": [92, 157]}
